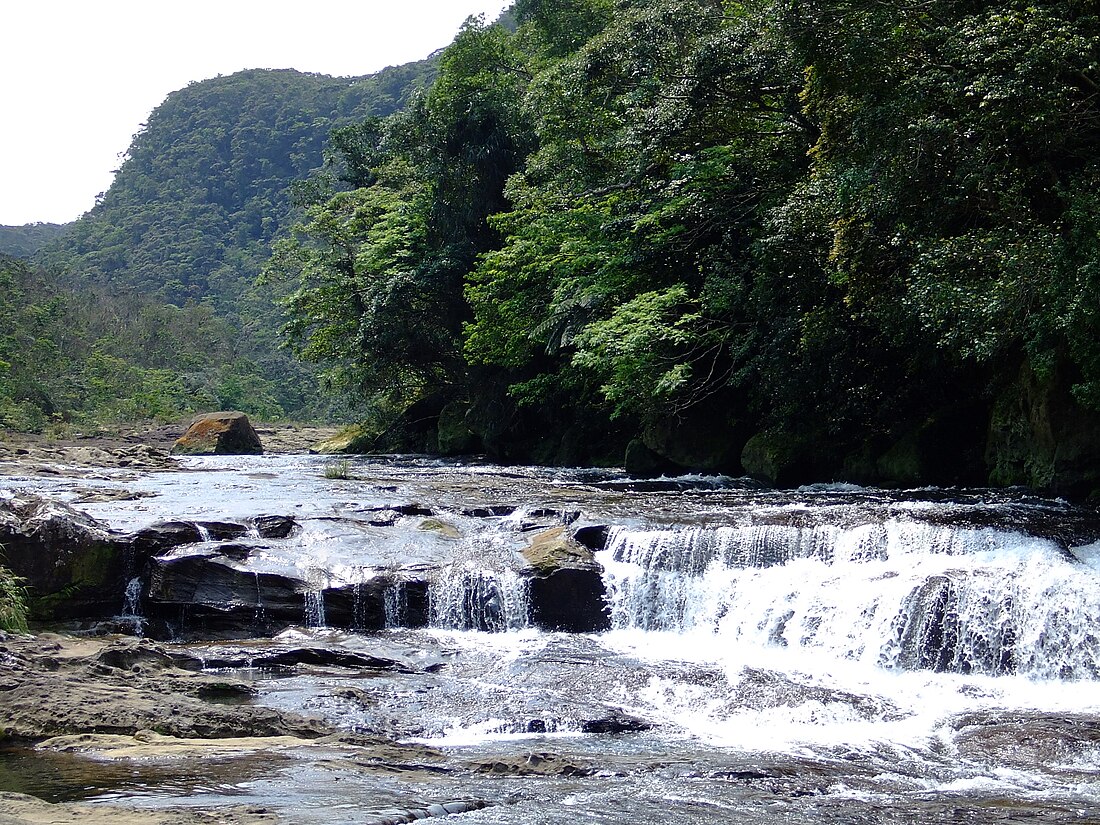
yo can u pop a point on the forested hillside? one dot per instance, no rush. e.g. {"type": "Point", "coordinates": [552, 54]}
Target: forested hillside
{"type": "Point", "coordinates": [147, 306]}
{"type": "Point", "coordinates": [812, 240]}
{"type": "Point", "coordinates": [25, 241]}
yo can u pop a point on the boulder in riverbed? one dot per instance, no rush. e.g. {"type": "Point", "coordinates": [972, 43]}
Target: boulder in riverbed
{"type": "Point", "coordinates": [566, 589]}
{"type": "Point", "coordinates": [219, 433]}
{"type": "Point", "coordinates": [74, 566]}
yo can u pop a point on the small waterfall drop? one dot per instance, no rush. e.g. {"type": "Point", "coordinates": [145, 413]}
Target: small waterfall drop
{"type": "Point", "coordinates": [314, 598]}
{"type": "Point", "coordinates": [895, 594]}
{"type": "Point", "coordinates": [131, 607]}
{"type": "Point", "coordinates": [395, 604]}
{"type": "Point", "coordinates": [478, 599]}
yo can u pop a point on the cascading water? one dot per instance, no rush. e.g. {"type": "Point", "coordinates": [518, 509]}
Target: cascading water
{"type": "Point", "coordinates": [395, 605]}
{"type": "Point", "coordinates": [896, 594]}
{"type": "Point", "coordinates": [489, 600]}
{"type": "Point", "coordinates": [131, 607]}
{"type": "Point", "coordinates": [830, 655]}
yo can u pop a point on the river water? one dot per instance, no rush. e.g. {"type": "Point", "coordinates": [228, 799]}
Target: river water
{"type": "Point", "coordinates": [831, 654]}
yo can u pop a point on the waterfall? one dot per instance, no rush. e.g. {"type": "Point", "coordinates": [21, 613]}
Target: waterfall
{"type": "Point", "coordinates": [131, 607]}
{"type": "Point", "coordinates": [395, 604]}
{"type": "Point", "coordinates": [478, 599]}
{"type": "Point", "coordinates": [314, 608]}
{"type": "Point", "coordinates": [259, 617]}
{"type": "Point", "coordinates": [897, 593]}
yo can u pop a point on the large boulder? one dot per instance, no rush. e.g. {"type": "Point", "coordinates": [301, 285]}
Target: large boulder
{"type": "Point", "coordinates": [74, 566]}
{"type": "Point", "coordinates": [208, 593]}
{"type": "Point", "coordinates": [219, 433]}
{"type": "Point", "coordinates": [566, 587]}
{"type": "Point", "coordinates": [706, 438]}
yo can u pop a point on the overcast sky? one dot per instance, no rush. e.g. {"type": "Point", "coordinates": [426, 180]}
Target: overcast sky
{"type": "Point", "coordinates": [79, 77]}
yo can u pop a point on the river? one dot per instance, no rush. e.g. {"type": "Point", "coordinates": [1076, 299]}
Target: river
{"type": "Point", "coordinates": [830, 654]}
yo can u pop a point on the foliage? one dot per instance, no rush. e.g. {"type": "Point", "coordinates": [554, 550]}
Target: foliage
{"type": "Point", "coordinates": [13, 602]}
{"type": "Point", "coordinates": [88, 356]}
{"type": "Point", "coordinates": [378, 271]}
{"type": "Point", "coordinates": [338, 470]}
{"type": "Point", "coordinates": [24, 241]}
{"type": "Point", "coordinates": [831, 218]}
{"type": "Point", "coordinates": [187, 224]}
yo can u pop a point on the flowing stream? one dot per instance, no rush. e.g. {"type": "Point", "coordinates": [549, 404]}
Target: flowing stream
{"type": "Point", "coordinates": [832, 654]}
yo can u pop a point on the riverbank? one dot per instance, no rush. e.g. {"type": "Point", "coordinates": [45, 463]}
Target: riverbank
{"type": "Point", "coordinates": [136, 447]}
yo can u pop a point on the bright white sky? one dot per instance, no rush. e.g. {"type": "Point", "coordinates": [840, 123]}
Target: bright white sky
{"type": "Point", "coordinates": [79, 77]}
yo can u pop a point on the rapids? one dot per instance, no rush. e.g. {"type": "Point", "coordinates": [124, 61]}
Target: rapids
{"type": "Point", "coordinates": [830, 654]}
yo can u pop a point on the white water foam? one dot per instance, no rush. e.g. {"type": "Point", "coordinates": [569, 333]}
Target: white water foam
{"type": "Point", "coordinates": [895, 595]}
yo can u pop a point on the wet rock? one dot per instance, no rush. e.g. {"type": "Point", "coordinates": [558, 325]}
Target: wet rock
{"type": "Point", "coordinates": [58, 687]}
{"type": "Point", "coordinates": [163, 536]}
{"type": "Point", "coordinates": [534, 764]}
{"type": "Point", "coordinates": [205, 593]}
{"type": "Point", "coordinates": [235, 552]}
{"type": "Point", "coordinates": [312, 656]}
{"type": "Point", "coordinates": [554, 549]}
{"type": "Point", "coordinates": [275, 527]}
{"type": "Point", "coordinates": [593, 536]}
{"type": "Point", "coordinates": [130, 654]}
{"type": "Point", "coordinates": [363, 606]}
{"type": "Point", "coordinates": [1032, 741]}
{"type": "Point", "coordinates": [443, 528]}
{"type": "Point", "coordinates": [493, 511]}
{"type": "Point", "coordinates": [615, 723]}
{"type": "Point", "coordinates": [74, 566]}
{"type": "Point", "coordinates": [413, 509]}
{"type": "Point", "coordinates": [566, 589]}
{"type": "Point", "coordinates": [219, 433]}
{"type": "Point", "coordinates": [383, 518]}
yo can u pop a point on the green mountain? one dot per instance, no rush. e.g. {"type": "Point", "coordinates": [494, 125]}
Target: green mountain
{"type": "Point", "coordinates": [24, 241]}
{"type": "Point", "coordinates": [205, 185]}
{"type": "Point", "coordinates": [174, 247]}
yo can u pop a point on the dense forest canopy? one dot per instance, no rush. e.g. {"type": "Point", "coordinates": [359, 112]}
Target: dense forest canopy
{"type": "Point", "coordinates": [148, 304]}
{"type": "Point", "coordinates": [802, 239]}
{"type": "Point", "coordinates": [24, 241]}
{"type": "Point", "coordinates": [807, 239]}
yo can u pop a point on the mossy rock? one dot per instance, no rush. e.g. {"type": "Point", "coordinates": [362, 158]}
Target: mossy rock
{"type": "Point", "coordinates": [434, 525]}
{"type": "Point", "coordinates": [454, 436]}
{"type": "Point", "coordinates": [774, 457]}
{"type": "Point", "coordinates": [554, 549]}
{"type": "Point", "coordinates": [354, 440]}
{"type": "Point", "coordinates": [708, 439]}
{"type": "Point", "coordinates": [219, 433]}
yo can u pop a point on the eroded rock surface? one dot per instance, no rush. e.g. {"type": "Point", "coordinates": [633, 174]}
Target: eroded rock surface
{"type": "Point", "coordinates": [55, 686]}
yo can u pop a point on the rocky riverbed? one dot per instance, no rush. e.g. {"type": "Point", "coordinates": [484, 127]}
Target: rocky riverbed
{"type": "Point", "coordinates": [382, 644]}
